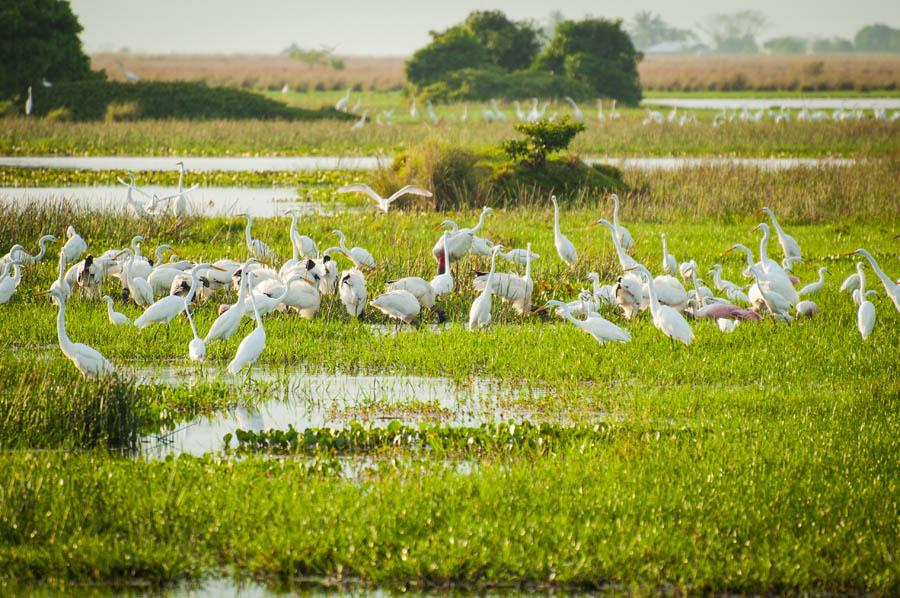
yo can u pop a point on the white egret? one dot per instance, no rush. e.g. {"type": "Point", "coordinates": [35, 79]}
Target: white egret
{"type": "Point", "coordinates": [772, 270]}
{"type": "Point", "coordinates": [669, 265]}
{"type": "Point", "coordinates": [576, 111]}
{"type": "Point", "coordinates": [865, 315]}
{"type": "Point", "coordinates": [789, 245]}
{"type": "Point", "coordinates": [196, 348]}
{"type": "Point", "coordinates": [352, 291]}
{"type": "Point", "coordinates": [9, 283]}
{"type": "Point", "coordinates": [851, 283]}
{"type": "Point", "coordinates": [165, 309]}
{"type": "Point", "coordinates": [421, 290]}
{"type": "Point", "coordinates": [480, 312]}
{"type": "Point", "coordinates": [74, 247]}
{"type": "Point", "coordinates": [667, 320]}
{"type": "Point", "coordinates": [29, 103]}
{"type": "Point", "coordinates": [413, 110]}
{"type": "Point", "coordinates": [626, 262]}
{"type": "Point", "coordinates": [429, 108]}
{"type": "Point", "coordinates": [342, 103]}
{"type": "Point", "coordinates": [253, 344]}
{"type": "Point", "coordinates": [598, 327]}
{"type": "Point", "coordinates": [115, 318]}
{"type": "Point", "coordinates": [482, 247]}
{"type": "Point", "coordinates": [399, 305]}
{"type": "Point", "coordinates": [227, 323]}
{"type": "Point", "coordinates": [629, 294]}
{"type": "Point", "coordinates": [777, 304]}
{"type": "Point", "coordinates": [302, 244]}
{"type": "Point", "coordinates": [138, 287]}
{"type": "Point", "coordinates": [361, 258]}
{"type": "Point", "coordinates": [625, 238]}
{"type": "Point", "coordinates": [88, 360]}
{"type": "Point", "coordinates": [361, 122]}
{"type": "Point", "coordinates": [564, 247]}
{"type": "Point", "coordinates": [61, 284]}
{"type": "Point", "coordinates": [25, 258]}
{"type": "Point", "coordinates": [806, 309]}
{"type": "Point", "coordinates": [384, 204]}
{"type": "Point", "coordinates": [814, 287]}
{"type": "Point", "coordinates": [258, 249]}
{"type": "Point", "coordinates": [517, 256]}
{"type": "Point", "coordinates": [890, 287]}
{"type": "Point", "coordinates": [269, 296]}
{"type": "Point", "coordinates": [512, 288]}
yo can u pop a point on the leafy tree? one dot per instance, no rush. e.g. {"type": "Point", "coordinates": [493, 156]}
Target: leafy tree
{"type": "Point", "coordinates": [484, 39]}
{"type": "Point", "coordinates": [832, 46]}
{"type": "Point", "coordinates": [786, 45]}
{"type": "Point", "coordinates": [877, 38]}
{"type": "Point", "coordinates": [597, 52]}
{"type": "Point", "coordinates": [736, 33]}
{"type": "Point", "coordinates": [648, 29]}
{"type": "Point", "coordinates": [450, 51]}
{"type": "Point", "coordinates": [509, 45]}
{"type": "Point", "coordinates": [39, 39]}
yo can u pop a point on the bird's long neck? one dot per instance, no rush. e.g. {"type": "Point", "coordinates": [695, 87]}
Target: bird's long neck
{"type": "Point", "coordinates": [259, 323]}
{"type": "Point", "coordinates": [665, 250]}
{"type": "Point", "coordinates": [446, 255]}
{"type": "Point", "coordinates": [195, 278]}
{"type": "Point", "coordinates": [528, 262]}
{"type": "Point", "coordinates": [775, 224]}
{"type": "Point", "coordinates": [763, 255]}
{"type": "Point", "coordinates": [181, 178]}
{"type": "Point", "coordinates": [619, 251]}
{"type": "Point", "coordinates": [862, 283]}
{"type": "Point", "coordinates": [747, 253]}
{"type": "Point", "coordinates": [109, 307]}
{"type": "Point", "coordinates": [247, 234]}
{"type": "Point", "coordinates": [295, 252]}
{"type": "Point", "coordinates": [885, 279]}
{"type": "Point", "coordinates": [242, 289]}
{"type": "Point", "coordinates": [64, 341]}
{"type": "Point", "coordinates": [821, 276]}
{"type": "Point", "coordinates": [615, 210]}
{"type": "Point", "coordinates": [651, 288]}
{"type": "Point", "coordinates": [555, 219]}
{"type": "Point", "coordinates": [480, 223]}
{"type": "Point", "coordinates": [488, 290]}
{"type": "Point", "coordinates": [42, 252]}
{"type": "Point", "coordinates": [187, 311]}
{"type": "Point", "coordinates": [61, 274]}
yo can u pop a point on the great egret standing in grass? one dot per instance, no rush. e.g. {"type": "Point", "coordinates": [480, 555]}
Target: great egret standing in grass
{"type": "Point", "coordinates": [890, 287]}
{"type": "Point", "coordinates": [74, 247]}
{"type": "Point", "coordinates": [361, 258]}
{"type": "Point", "coordinates": [25, 258]}
{"type": "Point", "coordinates": [512, 288]}
{"type": "Point", "coordinates": [814, 287]}
{"type": "Point", "coordinates": [196, 348]}
{"type": "Point", "coordinates": [165, 309]}
{"type": "Point", "coordinates": [480, 312]}
{"type": "Point", "coordinates": [597, 326]}
{"type": "Point", "coordinates": [564, 246]}
{"type": "Point", "coordinates": [669, 265]}
{"type": "Point", "coordinates": [626, 262]}
{"type": "Point", "coordinates": [88, 360]}
{"type": "Point", "coordinates": [625, 238]}
{"type": "Point", "coordinates": [227, 323]}
{"type": "Point", "coordinates": [667, 320]}
{"type": "Point", "coordinates": [443, 282]}
{"type": "Point", "coordinates": [258, 249]}
{"type": "Point", "coordinates": [29, 103]}
{"type": "Point", "coordinates": [352, 291]}
{"type": "Point", "coordinates": [865, 315]}
{"type": "Point", "coordinates": [302, 244]}
{"type": "Point", "coordinates": [384, 204]}
{"type": "Point", "coordinates": [253, 344]}
{"type": "Point", "coordinates": [115, 318]}
{"type": "Point", "coordinates": [9, 283]}
{"type": "Point", "coordinates": [399, 305]}
{"type": "Point", "coordinates": [577, 114]}
{"type": "Point", "coordinates": [342, 103]}
{"type": "Point", "coordinates": [789, 245]}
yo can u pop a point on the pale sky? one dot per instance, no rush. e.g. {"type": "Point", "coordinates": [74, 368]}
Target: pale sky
{"type": "Point", "coordinates": [398, 27]}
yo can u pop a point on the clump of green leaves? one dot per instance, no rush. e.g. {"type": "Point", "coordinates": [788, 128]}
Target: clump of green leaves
{"type": "Point", "coordinates": [542, 138]}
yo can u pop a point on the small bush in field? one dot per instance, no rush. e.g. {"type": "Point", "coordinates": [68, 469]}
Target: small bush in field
{"type": "Point", "coordinates": [121, 111]}
{"type": "Point", "coordinates": [542, 138]}
{"type": "Point", "coordinates": [59, 115]}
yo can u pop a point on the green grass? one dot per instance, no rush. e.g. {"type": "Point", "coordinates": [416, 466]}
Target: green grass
{"type": "Point", "coordinates": [829, 94]}
{"type": "Point", "coordinates": [625, 137]}
{"type": "Point", "coordinates": [758, 461]}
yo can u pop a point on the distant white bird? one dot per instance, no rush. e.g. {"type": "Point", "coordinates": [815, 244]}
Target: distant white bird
{"type": "Point", "coordinates": [806, 309]}
{"type": "Point", "coordinates": [253, 344]}
{"type": "Point", "coordinates": [519, 257]}
{"type": "Point", "coordinates": [576, 111]}
{"type": "Point", "coordinates": [413, 110]}
{"type": "Point", "coordinates": [258, 249]}
{"type": "Point", "coordinates": [361, 122]}
{"type": "Point", "coordinates": [789, 245]}
{"type": "Point", "coordinates": [480, 312]}
{"type": "Point", "coordinates": [88, 360]}
{"type": "Point", "coordinates": [115, 318]}
{"type": "Point", "coordinates": [29, 103]}
{"type": "Point", "coordinates": [564, 248]}
{"type": "Point", "coordinates": [285, 89]}
{"type": "Point", "coordinates": [384, 204]}
{"type": "Point", "coordinates": [600, 116]}
{"type": "Point", "coordinates": [343, 103]}
{"type": "Point", "coordinates": [431, 114]}
{"type": "Point", "coordinates": [399, 305]}
{"type": "Point", "coordinates": [865, 315]}
{"type": "Point", "coordinates": [498, 114]}
{"type": "Point", "coordinates": [361, 258]}
{"type": "Point", "coordinates": [74, 247]}
{"type": "Point", "coordinates": [464, 117]}
{"type": "Point", "coordinates": [352, 291]}
{"type": "Point", "coordinates": [196, 348]}
{"type": "Point", "coordinates": [814, 287]}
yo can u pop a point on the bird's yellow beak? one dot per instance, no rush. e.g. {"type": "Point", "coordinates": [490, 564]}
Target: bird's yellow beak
{"type": "Point", "coordinates": [218, 268]}
{"type": "Point", "coordinates": [436, 226]}
{"type": "Point", "coordinates": [41, 293]}
{"type": "Point", "coordinates": [755, 228]}
{"type": "Point", "coordinates": [727, 251]}
{"type": "Point", "coordinates": [540, 309]}
{"type": "Point", "coordinates": [118, 255]}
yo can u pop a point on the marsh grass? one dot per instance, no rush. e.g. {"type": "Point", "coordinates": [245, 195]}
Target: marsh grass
{"type": "Point", "coordinates": [625, 137]}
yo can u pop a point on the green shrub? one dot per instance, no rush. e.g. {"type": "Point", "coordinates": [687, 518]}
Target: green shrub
{"type": "Point", "coordinates": [98, 100]}
{"type": "Point", "coordinates": [60, 115]}
{"type": "Point", "coordinates": [121, 111]}
{"type": "Point", "coordinates": [542, 138]}
{"type": "Point", "coordinates": [492, 82]}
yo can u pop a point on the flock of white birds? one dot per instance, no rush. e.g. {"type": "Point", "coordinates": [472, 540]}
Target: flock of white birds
{"type": "Point", "coordinates": [540, 110]}
{"type": "Point", "coordinates": [167, 288]}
